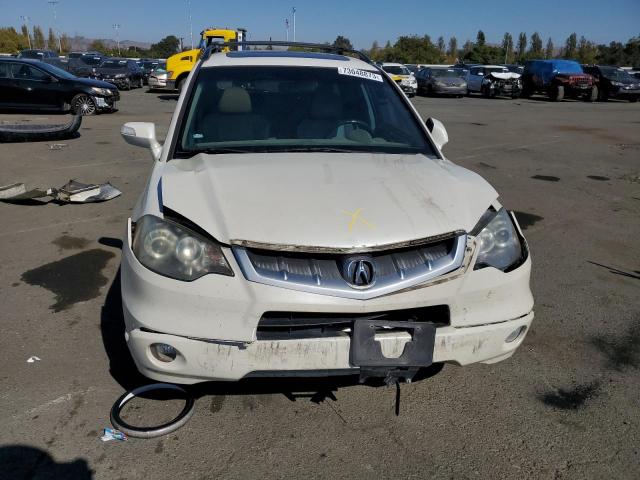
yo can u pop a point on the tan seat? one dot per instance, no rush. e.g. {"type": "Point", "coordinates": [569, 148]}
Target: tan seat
{"type": "Point", "coordinates": [234, 119]}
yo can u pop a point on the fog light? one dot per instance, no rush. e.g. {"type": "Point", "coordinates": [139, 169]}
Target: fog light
{"type": "Point", "coordinates": [515, 334]}
{"type": "Point", "coordinates": [163, 352]}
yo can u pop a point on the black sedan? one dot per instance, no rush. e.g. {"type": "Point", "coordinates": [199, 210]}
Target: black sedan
{"type": "Point", "coordinates": [614, 82]}
{"type": "Point", "coordinates": [122, 72]}
{"type": "Point", "coordinates": [33, 85]}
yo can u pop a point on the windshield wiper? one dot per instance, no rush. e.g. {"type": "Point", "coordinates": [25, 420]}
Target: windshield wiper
{"type": "Point", "coordinates": [214, 151]}
{"type": "Point", "coordinates": [317, 149]}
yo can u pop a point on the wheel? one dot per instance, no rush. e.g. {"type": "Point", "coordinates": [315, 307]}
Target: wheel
{"type": "Point", "coordinates": [430, 91]}
{"type": "Point", "coordinates": [557, 93]}
{"type": "Point", "coordinates": [180, 84]}
{"type": "Point", "coordinates": [468, 92]}
{"type": "Point", "coordinates": [603, 95]}
{"type": "Point", "coordinates": [141, 83]}
{"type": "Point", "coordinates": [593, 96]}
{"type": "Point", "coordinates": [127, 86]}
{"type": "Point", "coordinates": [83, 104]}
{"type": "Point", "coordinates": [486, 91]}
{"type": "Point", "coordinates": [633, 99]}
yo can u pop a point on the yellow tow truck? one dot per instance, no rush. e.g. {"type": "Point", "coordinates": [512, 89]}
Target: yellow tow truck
{"type": "Point", "coordinates": [180, 64]}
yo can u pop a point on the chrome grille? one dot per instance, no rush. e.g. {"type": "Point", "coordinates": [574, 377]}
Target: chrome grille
{"type": "Point", "coordinates": [324, 273]}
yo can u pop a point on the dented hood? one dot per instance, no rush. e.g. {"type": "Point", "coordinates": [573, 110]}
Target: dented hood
{"type": "Point", "coordinates": [329, 200]}
{"type": "Point", "coordinates": [505, 75]}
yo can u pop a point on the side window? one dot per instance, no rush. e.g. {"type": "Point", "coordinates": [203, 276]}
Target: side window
{"type": "Point", "coordinates": [4, 70]}
{"type": "Point", "coordinates": [473, 71]}
{"type": "Point", "coordinates": [27, 72]}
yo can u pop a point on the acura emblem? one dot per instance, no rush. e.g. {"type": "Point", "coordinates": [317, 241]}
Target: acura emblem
{"type": "Point", "coordinates": [359, 272]}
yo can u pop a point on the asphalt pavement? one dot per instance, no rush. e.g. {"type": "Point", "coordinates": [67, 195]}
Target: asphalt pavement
{"type": "Point", "coordinates": [565, 406]}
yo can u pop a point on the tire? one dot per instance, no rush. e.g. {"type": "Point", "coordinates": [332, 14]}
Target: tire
{"type": "Point", "coordinates": [486, 91]}
{"type": "Point", "coordinates": [557, 93]}
{"type": "Point", "coordinates": [127, 86]}
{"type": "Point", "coordinates": [633, 99]}
{"type": "Point", "coordinates": [180, 84]}
{"type": "Point", "coordinates": [603, 95]}
{"type": "Point", "coordinates": [593, 96]}
{"type": "Point", "coordinates": [141, 83]}
{"type": "Point", "coordinates": [429, 91]}
{"type": "Point", "coordinates": [83, 104]}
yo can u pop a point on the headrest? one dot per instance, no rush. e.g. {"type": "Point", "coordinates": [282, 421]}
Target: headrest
{"type": "Point", "coordinates": [235, 100]}
{"type": "Point", "coordinates": [326, 104]}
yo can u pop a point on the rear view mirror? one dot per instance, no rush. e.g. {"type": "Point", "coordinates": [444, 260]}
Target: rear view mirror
{"type": "Point", "coordinates": [438, 132]}
{"type": "Point", "coordinates": [142, 134]}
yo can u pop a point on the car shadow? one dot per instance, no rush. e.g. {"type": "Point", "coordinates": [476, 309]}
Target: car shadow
{"type": "Point", "coordinates": [123, 369]}
{"type": "Point", "coordinates": [169, 97]}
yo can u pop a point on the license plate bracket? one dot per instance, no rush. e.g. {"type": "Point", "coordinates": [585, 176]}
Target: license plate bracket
{"type": "Point", "coordinates": [366, 351]}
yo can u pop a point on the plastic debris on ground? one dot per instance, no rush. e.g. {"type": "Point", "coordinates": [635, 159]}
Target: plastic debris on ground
{"type": "Point", "coordinates": [112, 434]}
{"type": "Point", "coordinates": [72, 192]}
{"type": "Point", "coordinates": [57, 146]}
{"type": "Point", "coordinates": [33, 359]}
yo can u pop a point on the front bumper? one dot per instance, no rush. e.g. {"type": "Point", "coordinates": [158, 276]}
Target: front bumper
{"type": "Point", "coordinates": [213, 321]}
{"type": "Point", "coordinates": [624, 93]}
{"type": "Point", "coordinates": [449, 89]}
{"type": "Point", "coordinates": [201, 360]}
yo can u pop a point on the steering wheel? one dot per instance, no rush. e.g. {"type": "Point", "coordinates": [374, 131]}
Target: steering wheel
{"type": "Point", "coordinates": [356, 125]}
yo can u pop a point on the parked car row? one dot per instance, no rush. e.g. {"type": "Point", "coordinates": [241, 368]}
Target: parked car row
{"type": "Point", "coordinates": [558, 79]}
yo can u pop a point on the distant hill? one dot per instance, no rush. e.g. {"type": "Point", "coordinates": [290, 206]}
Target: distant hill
{"type": "Point", "coordinates": [80, 43]}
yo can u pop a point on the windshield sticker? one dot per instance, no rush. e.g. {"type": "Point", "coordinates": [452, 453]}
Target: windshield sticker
{"type": "Point", "coordinates": [355, 72]}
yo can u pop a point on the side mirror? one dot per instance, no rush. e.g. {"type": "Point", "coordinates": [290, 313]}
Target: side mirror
{"type": "Point", "coordinates": [438, 132]}
{"type": "Point", "coordinates": [142, 134]}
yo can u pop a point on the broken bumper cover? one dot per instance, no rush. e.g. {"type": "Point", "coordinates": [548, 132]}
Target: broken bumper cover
{"type": "Point", "coordinates": [200, 360]}
{"type": "Point", "coordinates": [212, 322]}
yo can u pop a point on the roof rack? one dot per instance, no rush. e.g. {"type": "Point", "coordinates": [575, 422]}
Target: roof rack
{"type": "Point", "coordinates": [218, 46]}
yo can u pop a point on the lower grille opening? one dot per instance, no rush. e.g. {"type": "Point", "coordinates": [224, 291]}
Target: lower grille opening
{"type": "Point", "coordinates": [299, 325]}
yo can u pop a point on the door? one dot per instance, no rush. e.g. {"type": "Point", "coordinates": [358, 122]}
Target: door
{"type": "Point", "coordinates": [34, 87]}
{"type": "Point", "coordinates": [476, 75]}
{"type": "Point", "coordinates": [8, 89]}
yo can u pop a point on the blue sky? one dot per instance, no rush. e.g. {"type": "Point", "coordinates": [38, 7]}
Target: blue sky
{"type": "Point", "coordinates": [317, 21]}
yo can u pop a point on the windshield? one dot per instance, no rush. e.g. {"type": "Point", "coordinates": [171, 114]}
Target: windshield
{"type": "Point", "coordinates": [58, 72]}
{"type": "Point", "coordinates": [114, 64]}
{"type": "Point", "coordinates": [396, 70]}
{"type": "Point", "coordinates": [271, 109]}
{"type": "Point", "coordinates": [445, 73]}
{"type": "Point", "coordinates": [88, 60]}
{"type": "Point", "coordinates": [616, 74]}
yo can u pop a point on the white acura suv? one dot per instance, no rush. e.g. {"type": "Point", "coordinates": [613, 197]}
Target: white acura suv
{"type": "Point", "coordinates": [300, 219]}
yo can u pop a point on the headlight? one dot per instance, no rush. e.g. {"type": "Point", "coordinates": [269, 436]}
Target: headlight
{"type": "Point", "coordinates": [101, 91]}
{"type": "Point", "coordinates": [175, 251]}
{"type": "Point", "coordinates": [498, 243]}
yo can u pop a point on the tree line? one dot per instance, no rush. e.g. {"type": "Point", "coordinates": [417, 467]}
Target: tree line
{"type": "Point", "coordinates": [13, 41]}
{"type": "Point", "coordinates": [416, 49]}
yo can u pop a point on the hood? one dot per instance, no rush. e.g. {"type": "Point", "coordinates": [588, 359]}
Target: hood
{"type": "Point", "coordinates": [90, 82]}
{"type": "Point", "coordinates": [324, 199]}
{"type": "Point", "coordinates": [111, 71]}
{"type": "Point", "coordinates": [505, 76]}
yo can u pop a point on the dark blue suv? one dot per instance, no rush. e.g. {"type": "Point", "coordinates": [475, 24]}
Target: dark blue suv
{"type": "Point", "coordinates": [558, 79]}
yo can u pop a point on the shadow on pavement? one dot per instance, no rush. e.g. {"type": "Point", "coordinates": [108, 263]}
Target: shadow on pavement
{"type": "Point", "coordinates": [18, 462]}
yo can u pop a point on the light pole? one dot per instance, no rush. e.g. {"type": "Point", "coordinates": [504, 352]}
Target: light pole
{"type": "Point", "coordinates": [53, 3]}
{"type": "Point", "coordinates": [116, 27]}
{"type": "Point", "coordinates": [286, 27]}
{"type": "Point", "coordinates": [293, 11]}
{"type": "Point", "coordinates": [26, 19]}
{"type": "Point", "coordinates": [190, 22]}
